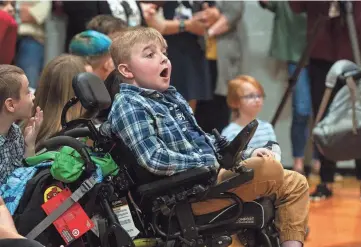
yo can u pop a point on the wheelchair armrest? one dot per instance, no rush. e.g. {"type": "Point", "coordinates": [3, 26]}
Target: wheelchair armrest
{"type": "Point", "coordinates": [233, 182]}
{"type": "Point", "coordinates": [187, 179]}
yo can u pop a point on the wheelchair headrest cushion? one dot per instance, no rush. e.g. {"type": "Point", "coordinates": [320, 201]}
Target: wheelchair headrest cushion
{"type": "Point", "coordinates": [91, 91]}
{"type": "Point", "coordinates": [90, 43]}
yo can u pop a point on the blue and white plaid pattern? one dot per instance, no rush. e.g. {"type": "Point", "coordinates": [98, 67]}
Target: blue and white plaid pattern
{"type": "Point", "coordinates": [11, 152]}
{"type": "Point", "coordinates": [142, 119]}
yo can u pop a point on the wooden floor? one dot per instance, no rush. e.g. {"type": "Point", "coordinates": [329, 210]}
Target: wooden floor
{"type": "Point", "coordinates": [336, 222]}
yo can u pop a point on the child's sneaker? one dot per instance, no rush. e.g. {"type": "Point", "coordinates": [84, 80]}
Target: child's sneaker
{"type": "Point", "coordinates": [321, 193]}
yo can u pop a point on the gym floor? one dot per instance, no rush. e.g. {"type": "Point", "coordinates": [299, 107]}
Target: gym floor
{"type": "Point", "coordinates": [336, 222]}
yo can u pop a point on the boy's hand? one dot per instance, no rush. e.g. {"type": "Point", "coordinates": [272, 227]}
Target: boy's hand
{"type": "Point", "coordinates": [262, 152]}
{"type": "Point", "coordinates": [32, 130]}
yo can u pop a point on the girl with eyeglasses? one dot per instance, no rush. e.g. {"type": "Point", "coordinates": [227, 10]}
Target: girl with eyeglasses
{"type": "Point", "coordinates": [245, 99]}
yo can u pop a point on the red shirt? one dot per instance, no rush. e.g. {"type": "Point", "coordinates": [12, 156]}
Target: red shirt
{"type": "Point", "coordinates": [8, 34]}
{"type": "Point", "coordinates": [332, 42]}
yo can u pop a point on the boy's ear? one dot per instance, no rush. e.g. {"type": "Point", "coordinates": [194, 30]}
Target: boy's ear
{"type": "Point", "coordinates": [9, 105]}
{"type": "Point", "coordinates": [125, 71]}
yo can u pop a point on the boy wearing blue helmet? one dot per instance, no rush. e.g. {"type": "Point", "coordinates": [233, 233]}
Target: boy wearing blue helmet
{"type": "Point", "coordinates": [94, 47]}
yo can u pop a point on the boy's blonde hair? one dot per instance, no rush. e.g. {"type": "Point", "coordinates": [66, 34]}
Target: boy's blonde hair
{"type": "Point", "coordinates": [235, 89]}
{"type": "Point", "coordinates": [120, 50]}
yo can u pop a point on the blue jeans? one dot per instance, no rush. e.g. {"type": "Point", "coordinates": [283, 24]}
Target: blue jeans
{"type": "Point", "coordinates": [30, 57]}
{"type": "Point", "coordinates": [301, 111]}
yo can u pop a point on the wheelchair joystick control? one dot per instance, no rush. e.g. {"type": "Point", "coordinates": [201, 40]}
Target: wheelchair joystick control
{"type": "Point", "coordinates": [224, 157]}
{"type": "Point", "coordinates": [221, 140]}
{"type": "Point", "coordinates": [229, 151]}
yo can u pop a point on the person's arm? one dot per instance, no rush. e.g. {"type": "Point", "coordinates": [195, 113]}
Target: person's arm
{"type": "Point", "coordinates": [31, 132]}
{"type": "Point", "coordinates": [9, 236]}
{"type": "Point", "coordinates": [36, 13]}
{"type": "Point", "coordinates": [9, 43]}
{"type": "Point", "coordinates": [134, 126]}
{"type": "Point", "coordinates": [8, 34]}
{"type": "Point", "coordinates": [6, 219]}
{"type": "Point", "coordinates": [169, 27]}
{"type": "Point", "coordinates": [231, 13]}
{"type": "Point", "coordinates": [4, 25]}
{"type": "Point", "coordinates": [40, 11]}
{"type": "Point", "coordinates": [29, 151]}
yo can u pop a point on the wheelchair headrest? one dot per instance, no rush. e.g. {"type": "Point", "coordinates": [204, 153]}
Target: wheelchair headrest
{"type": "Point", "coordinates": [91, 92]}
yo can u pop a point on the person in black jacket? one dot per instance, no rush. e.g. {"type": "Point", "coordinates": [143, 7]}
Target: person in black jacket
{"type": "Point", "coordinates": [80, 13]}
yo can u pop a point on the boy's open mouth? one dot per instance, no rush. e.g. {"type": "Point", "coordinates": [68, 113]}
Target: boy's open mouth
{"type": "Point", "coordinates": [164, 73]}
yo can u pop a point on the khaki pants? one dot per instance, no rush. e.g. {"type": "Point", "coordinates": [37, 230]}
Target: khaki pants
{"type": "Point", "coordinates": [290, 188]}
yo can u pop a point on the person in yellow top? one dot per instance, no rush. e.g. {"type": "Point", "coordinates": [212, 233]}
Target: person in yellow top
{"type": "Point", "coordinates": [224, 40]}
{"type": "Point", "coordinates": [30, 54]}
{"type": "Point", "coordinates": [211, 48]}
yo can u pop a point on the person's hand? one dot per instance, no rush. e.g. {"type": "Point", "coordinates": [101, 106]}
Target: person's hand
{"type": "Point", "coordinates": [7, 226]}
{"type": "Point", "coordinates": [25, 15]}
{"type": "Point", "coordinates": [262, 152]}
{"type": "Point", "coordinates": [208, 16]}
{"type": "Point", "coordinates": [195, 25]}
{"type": "Point", "coordinates": [31, 131]}
{"type": "Point", "coordinates": [151, 16]}
{"type": "Point", "coordinates": [148, 10]}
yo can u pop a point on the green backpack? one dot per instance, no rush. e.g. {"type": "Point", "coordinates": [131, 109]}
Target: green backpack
{"type": "Point", "coordinates": [68, 165]}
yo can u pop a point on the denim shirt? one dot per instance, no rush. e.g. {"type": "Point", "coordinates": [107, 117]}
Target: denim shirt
{"type": "Point", "coordinates": [144, 120]}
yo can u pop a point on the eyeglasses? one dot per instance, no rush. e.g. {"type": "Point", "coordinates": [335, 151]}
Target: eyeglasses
{"type": "Point", "coordinates": [253, 96]}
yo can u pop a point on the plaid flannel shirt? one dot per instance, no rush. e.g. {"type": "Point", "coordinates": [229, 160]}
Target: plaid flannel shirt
{"type": "Point", "coordinates": [142, 119]}
{"type": "Point", "coordinates": [12, 149]}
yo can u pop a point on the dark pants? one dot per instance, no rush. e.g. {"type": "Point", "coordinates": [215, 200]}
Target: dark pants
{"type": "Point", "coordinates": [318, 70]}
{"type": "Point", "coordinates": [213, 114]}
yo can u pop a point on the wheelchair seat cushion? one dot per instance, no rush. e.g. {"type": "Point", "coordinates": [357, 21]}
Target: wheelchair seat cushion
{"type": "Point", "coordinates": [256, 214]}
{"type": "Point", "coordinates": [186, 180]}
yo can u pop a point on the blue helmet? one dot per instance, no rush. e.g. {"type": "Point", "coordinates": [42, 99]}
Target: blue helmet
{"type": "Point", "coordinates": [90, 43]}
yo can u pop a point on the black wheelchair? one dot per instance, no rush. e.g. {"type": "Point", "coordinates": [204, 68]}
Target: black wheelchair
{"type": "Point", "coordinates": [161, 207]}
